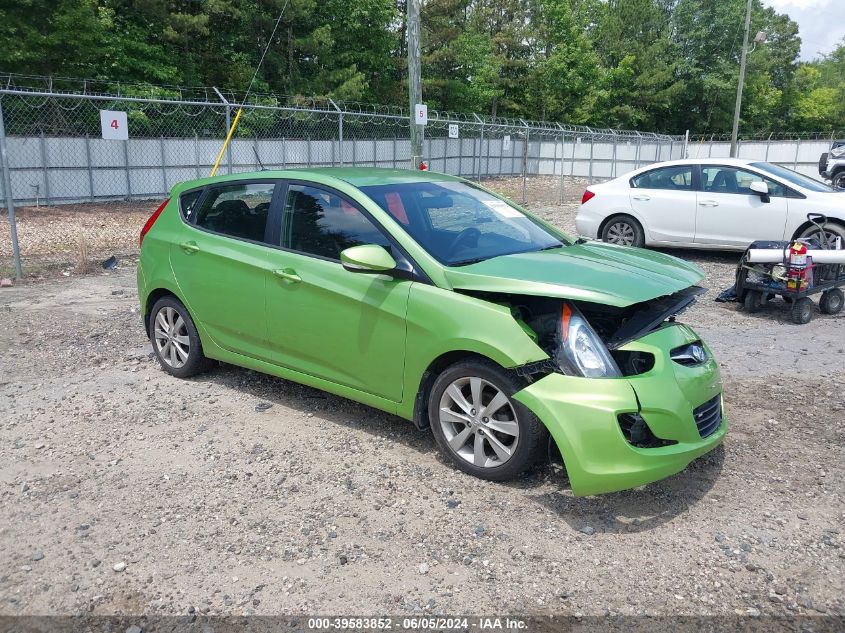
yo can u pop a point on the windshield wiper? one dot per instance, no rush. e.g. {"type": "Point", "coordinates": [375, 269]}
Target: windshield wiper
{"type": "Point", "coordinates": [467, 262]}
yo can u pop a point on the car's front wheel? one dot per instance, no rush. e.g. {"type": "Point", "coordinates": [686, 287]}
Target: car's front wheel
{"type": "Point", "coordinates": [175, 340]}
{"type": "Point", "coordinates": [623, 230]}
{"type": "Point", "coordinates": [478, 424]}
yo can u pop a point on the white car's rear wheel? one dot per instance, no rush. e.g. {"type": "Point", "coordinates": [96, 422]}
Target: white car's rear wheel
{"type": "Point", "coordinates": [624, 231]}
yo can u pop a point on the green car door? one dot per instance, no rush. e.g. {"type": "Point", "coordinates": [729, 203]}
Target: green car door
{"type": "Point", "coordinates": [221, 264]}
{"type": "Point", "coordinates": [345, 327]}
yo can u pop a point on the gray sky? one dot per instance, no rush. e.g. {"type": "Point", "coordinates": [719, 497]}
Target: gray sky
{"type": "Point", "coordinates": [820, 23]}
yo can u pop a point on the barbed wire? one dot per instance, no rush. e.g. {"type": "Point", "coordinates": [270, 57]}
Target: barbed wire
{"type": "Point", "coordinates": [770, 136]}
{"type": "Point", "coordinates": [66, 87]}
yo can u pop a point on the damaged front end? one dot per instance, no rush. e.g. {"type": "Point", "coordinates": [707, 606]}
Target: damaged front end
{"type": "Point", "coordinates": [628, 394]}
{"type": "Point", "coordinates": [586, 339]}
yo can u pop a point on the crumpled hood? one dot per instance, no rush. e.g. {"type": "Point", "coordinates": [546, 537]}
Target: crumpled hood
{"type": "Point", "coordinates": [594, 271]}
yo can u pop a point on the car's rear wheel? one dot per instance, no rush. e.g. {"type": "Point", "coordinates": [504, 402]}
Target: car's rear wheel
{"type": "Point", "coordinates": [479, 426]}
{"type": "Point", "coordinates": [838, 180]}
{"type": "Point", "coordinates": [832, 230]}
{"type": "Point", "coordinates": [175, 340]}
{"type": "Point", "coordinates": [623, 230]}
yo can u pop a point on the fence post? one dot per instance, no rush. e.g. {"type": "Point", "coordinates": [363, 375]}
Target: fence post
{"type": "Point", "coordinates": [639, 145]}
{"type": "Point", "coordinates": [197, 153]}
{"type": "Point", "coordinates": [592, 142]}
{"type": "Point", "coordinates": [768, 143]}
{"type": "Point", "coordinates": [686, 144]}
{"type": "Point", "coordinates": [90, 171]}
{"type": "Point", "coordinates": [126, 168]}
{"type": "Point", "coordinates": [228, 127]}
{"type": "Point", "coordinates": [797, 151]}
{"type": "Point", "coordinates": [480, 145]}
{"type": "Point", "coordinates": [562, 150]}
{"type": "Point", "coordinates": [10, 203]}
{"type": "Point", "coordinates": [613, 160]}
{"type": "Point", "coordinates": [525, 143]}
{"type": "Point", "coordinates": [339, 133]}
{"type": "Point", "coordinates": [163, 168]}
{"type": "Point", "coordinates": [43, 145]}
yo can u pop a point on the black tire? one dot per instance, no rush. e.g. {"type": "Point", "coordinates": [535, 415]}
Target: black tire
{"type": "Point", "coordinates": [822, 163]}
{"type": "Point", "coordinates": [623, 230]}
{"type": "Point", "coordinates": [837, 180]}
{"type": "Point", "coordinates": [195, 362]}
{"type": "Point", "coordinates": [801, 311]}
{"type": "Point", "coordinates": [832, 301]}
{"type": "Point", "coordinates": [753, 301]}
{"type": "Point", "coordinates": [832, 230]}
{"type": "Point", "coordinates": [529, 446]}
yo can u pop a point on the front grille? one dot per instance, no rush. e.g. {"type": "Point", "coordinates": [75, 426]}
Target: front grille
{"type": "Point", "coordinates": [708, 416]}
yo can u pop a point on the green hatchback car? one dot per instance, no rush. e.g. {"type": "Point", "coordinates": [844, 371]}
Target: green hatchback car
{"type": "Point", "coordinates": [434, 299]}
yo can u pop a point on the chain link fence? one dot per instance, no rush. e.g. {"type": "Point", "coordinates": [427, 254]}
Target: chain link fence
{"type": "Point", "coordinates": [74, 198]}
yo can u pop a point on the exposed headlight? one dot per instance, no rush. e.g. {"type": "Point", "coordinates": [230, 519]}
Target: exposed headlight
{"type": "Point", "coordinates": [581, 352]}
{"type": "Point", "coordinates": [838, 152]}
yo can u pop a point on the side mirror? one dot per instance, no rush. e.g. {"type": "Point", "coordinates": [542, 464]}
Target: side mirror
{"type": "Point", "coordinates": [367, 258]}
{"type": "Point", "coordinates": [761, 189]}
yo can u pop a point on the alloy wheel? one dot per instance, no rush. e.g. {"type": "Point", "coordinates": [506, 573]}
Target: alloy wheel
{"type": "Point", "coordinates": [479, 422]}
{"type": "Point", "coordinates": [171, 337]}
{"type": "Point", "coordinates": [839, 181]}
{"type": "Point", "coordinates": [621, 233]}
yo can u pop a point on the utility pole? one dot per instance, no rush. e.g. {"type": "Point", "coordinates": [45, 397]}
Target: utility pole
{"type": "Point", "coordinates": [739, 87]}
{"type": "Point", "coordinates": [414, 85]}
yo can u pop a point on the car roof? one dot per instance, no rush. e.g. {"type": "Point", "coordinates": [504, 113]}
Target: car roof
{"type": "Point", "coordinates": [355, 176]}
{"type": "Point", "coordinates": [715, 160]}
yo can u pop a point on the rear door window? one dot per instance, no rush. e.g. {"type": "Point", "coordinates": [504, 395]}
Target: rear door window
{"type": "Point", "coordinates": [677, 177]}
{"type": "Point", "coordinates": [237, 210]}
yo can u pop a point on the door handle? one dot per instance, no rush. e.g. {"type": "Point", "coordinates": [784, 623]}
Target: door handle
{"type": "Point", "coordinates": [288, 274]}
{"type": "Point", "coordinates": [708, 203]}
{"type": "Point", "coordinates": [189, 247]}
{"type": "Point", "coordinates": [642, 197]}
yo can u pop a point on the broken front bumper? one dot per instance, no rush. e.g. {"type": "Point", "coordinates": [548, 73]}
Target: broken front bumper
{"type": "Point", "coordinates": [582, 415]}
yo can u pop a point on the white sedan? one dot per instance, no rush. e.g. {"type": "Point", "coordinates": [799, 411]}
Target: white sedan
{"type": "Point", "coordinates": [724, 203]}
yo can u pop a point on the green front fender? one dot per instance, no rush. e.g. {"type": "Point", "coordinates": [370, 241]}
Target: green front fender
{"type": "Point", "coordinates": [445, 322]}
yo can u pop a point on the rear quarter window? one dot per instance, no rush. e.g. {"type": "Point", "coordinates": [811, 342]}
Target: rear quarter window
{"type": "Point", "coordinates": [187, 204]}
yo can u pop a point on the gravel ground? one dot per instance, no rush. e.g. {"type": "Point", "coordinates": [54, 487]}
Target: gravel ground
{"type": "Point", "coordinates": [124, 490]}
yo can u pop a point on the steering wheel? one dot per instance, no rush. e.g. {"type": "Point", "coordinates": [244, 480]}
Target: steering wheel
{"type": "Point", "coordinates": [467, 233]}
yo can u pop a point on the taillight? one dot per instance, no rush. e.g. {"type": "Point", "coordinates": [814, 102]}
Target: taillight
{"type": "Point", "coordinates": [151, 221]}
{"type": "Point", "coordinates": [588, 195]}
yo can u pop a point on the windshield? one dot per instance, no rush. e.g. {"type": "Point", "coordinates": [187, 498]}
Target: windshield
{"type": "Point", "coordinates": [460, 224]}
{"type": "Point", "coordinates": [793, 176]}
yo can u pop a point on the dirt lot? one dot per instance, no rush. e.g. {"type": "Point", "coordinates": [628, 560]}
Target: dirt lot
{"type": "Point", "coordinates": [126, 491]}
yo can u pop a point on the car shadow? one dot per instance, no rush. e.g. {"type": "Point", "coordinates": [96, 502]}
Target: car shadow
{"type": "Point", "coordinates": [637, 510]}
{"type": "Point", "coordinates": [629, 511]}
{"type": "Point", "coordinates": [265, 388]}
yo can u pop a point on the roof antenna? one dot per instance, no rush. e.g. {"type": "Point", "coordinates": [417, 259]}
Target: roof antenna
{"type": "Point", "coordinates": [258, 158]}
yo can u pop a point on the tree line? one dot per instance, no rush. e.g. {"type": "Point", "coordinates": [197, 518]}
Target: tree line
{"type": "Point", "coordinates": [662, 65]}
